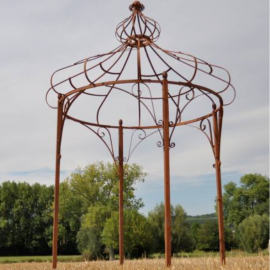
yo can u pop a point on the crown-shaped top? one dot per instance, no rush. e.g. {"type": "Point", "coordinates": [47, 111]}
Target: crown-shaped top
{"type": "Point", "coordinates": [137, 30]}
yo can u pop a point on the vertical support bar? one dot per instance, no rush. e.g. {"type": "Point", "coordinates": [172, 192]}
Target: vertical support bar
{"type": "Point", "coordinates": [166, 151]}
{"type": "Point", "coordinates": [57, 178]}
{"type": "Point", "coordinates": [121, 193]}
{"type": "Point", "coordinates": [217, 139]}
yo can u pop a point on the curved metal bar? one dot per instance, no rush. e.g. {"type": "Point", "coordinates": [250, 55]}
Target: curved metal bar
{"type": "Point", "coordinates": [141, 137]}
{"type": "Point", "coordinates": [100, 106]}
{"type": "Point", "coordinates": [101, 137]}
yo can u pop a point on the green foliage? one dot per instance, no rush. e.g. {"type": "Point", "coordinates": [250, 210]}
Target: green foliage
{"type": "Point", "coordinates": [89, 236]}
{"type": "Point", "coordinates": [25, 213]}
{"type": "Point", "coordinates": [181, 237]}
{"type": "Point", "coordinates": [252, 197]}
{"type": "Point", "coordinates": [97, 188]}
{"type": "Point", "coordinates": [253, 233]}
{"type": "Point", "coordinates": [207, 236]}
{"type": "Point", "coordinates": [156, 220]}
{"type": "Point", "coordinates": [137, 239]}
{"type": "Point", "coordinates": [88, 218]}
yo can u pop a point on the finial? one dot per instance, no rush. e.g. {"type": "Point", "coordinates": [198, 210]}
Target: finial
{"type": "Point", "coordinates": [136, 5]}
{"type": "Point", "coordinates": [120, 122]}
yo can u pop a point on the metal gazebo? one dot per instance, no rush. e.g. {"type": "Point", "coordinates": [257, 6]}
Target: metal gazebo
{"type": "Point", "coordinates": [158, 87]}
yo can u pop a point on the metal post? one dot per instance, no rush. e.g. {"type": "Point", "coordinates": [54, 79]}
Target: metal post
{"type": "Point", "coordinates": [166, 149]}
{"type": "Point", "coordinates": [217, 139]}
{"type": "Point", "coordinates": [121, 195]}
{"type": "Point", "coordinates": [57, 177]}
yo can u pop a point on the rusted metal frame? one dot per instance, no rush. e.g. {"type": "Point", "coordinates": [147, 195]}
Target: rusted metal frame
{"type": "Point", "coordinates": [152, 115]}
{"type": "Point", "coordinates": [150, 45]}
{"type": "Point", "coordinates": [92, 58]}
{"type": "Point", "coordinates": [159, 74]}
{"type": "Point", "coordinates": [143, 127]}
{"type": "Point", "coordinates": [166, 149]}
{"type": "Point", "coordinates": [57, 179]}
{"type": "Point", "coordinates": [101, 136]}
{"type": "Point", "coordinates": [121, 193]}
{"type": "Point", "coordinates": [70, 78]}
{"type": "Point", "coordinates": [142, 138]}
{"type": "Point", "coordinates": [145, 81]}
{"type": "Point", "coordinates": [120, 36]}
{"type": "Point", "coordinates": [54, 85]}
{"type": "Point", "coordinates": [133, 23]}
{"type": "Point", "coordinates": [228, 83]}
{"type": "Point", "coordinates": [145, 25]}
{"type": "Point", "coordinates": [194, 61]}
{"type": "Point", "coordinates": [217, 165]}
{"type": "Point", "coordinates": [202, 127]}
{"type": "Point", "coordinates": [144, 98]}
{"type": "Point", "coordinates": [187, 98]}
{"type": "Point", "coordinates": [155, 25]}
{"type": "Point", "coordinates": [100, 65]}
{"type": "Point", "coordinates": [153, 68]}
{"type": "Point", "coordinates": [99, 108]}
{"type": "Point", "coordinates": [139, 78]}
{"type": "Point", "coordinates": [178, 115]}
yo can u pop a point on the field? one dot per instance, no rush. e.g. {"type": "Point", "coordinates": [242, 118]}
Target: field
{"type": "Point", "coordinates": [203, 263]}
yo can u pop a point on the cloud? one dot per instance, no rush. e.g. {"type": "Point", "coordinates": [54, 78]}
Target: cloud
{"type": "Point", "coordinates": [38, 38]}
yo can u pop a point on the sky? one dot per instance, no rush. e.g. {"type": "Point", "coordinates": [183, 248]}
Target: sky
{"type": "Point", "coordinates": [38, 37]}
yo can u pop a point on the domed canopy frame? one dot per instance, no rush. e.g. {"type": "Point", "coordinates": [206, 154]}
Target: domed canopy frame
{"type": "Point", "coordinates": [173, 93]}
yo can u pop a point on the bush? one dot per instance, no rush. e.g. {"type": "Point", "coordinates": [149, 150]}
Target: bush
{"type": "Point", "coordinates": [87, 255]}
{"type": "Point", "coordinates": [253, 233]}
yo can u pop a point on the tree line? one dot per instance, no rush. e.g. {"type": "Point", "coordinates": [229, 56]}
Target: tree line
{"type": "Point", "coordinates": [88, 217]}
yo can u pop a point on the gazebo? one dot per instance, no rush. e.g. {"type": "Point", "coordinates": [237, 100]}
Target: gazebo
{"type": "Point", "coordinates": [157, 91]}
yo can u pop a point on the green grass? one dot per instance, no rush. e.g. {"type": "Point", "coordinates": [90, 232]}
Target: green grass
{"type": "Point", "coordinates": [16, 259]}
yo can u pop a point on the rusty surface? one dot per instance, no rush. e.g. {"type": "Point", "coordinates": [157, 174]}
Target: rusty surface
{"type": "Point", "coordinates": [57, 179]}
{"type": "Point", "coordinates": [121, 192]}
{"type": "Point", "coordinates": [193, 82]}
{"type": "Point", "coordinates": [166, 149]}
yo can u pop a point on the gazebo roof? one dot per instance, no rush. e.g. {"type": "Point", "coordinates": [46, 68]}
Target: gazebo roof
{"type": "Point", "coordinates": [138, 62]}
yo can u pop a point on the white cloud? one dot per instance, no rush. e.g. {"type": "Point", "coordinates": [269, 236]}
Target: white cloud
{"type": "Point", "coordinates": [38, 38]}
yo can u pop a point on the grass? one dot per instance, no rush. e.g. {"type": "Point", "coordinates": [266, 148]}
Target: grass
{"type": "Point", "coordinates": [19, 259]}
{"type": "Point", "coordinates": [78, 258]}
{"type": "Point", "coordinates": [199, 253]}
{"type": "Point", "coordinates": [258, 262]}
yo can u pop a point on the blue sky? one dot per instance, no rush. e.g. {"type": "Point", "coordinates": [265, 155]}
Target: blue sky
{"type": "Point", "coordinates": [39, 37]}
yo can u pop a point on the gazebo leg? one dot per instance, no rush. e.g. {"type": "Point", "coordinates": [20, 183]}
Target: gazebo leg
{"type": "Point", "coordinates": [57, 178]}
{"type": "Point", "coordinates": [166, 150]}
{"type": "Point", "coordinates": [121, 191]}
{"type": "Point", "coordinates": [217, 140]}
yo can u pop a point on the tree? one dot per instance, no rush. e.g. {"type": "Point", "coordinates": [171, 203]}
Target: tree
{"type": "Point", "coordinates": [208, 236]}
{"type": "Point", "coordinates": [89, 236]}
{"type": "Point", "coordinates": [181, 238]}
{"type": "Point", "coordinates": [137, 235]}
{"type": "Point", "coordinates": [252, 197]}
{"type": "Point", "coordinates": [25, 213]}
{"type": "Point", "coordinates": [156, 220]}
{"type": "Point", "coordinates": [194, 231]}
{"type": "Point", "coordinates": [253, 233]}
{"type": "Point", "coordinates": [96, 189]}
